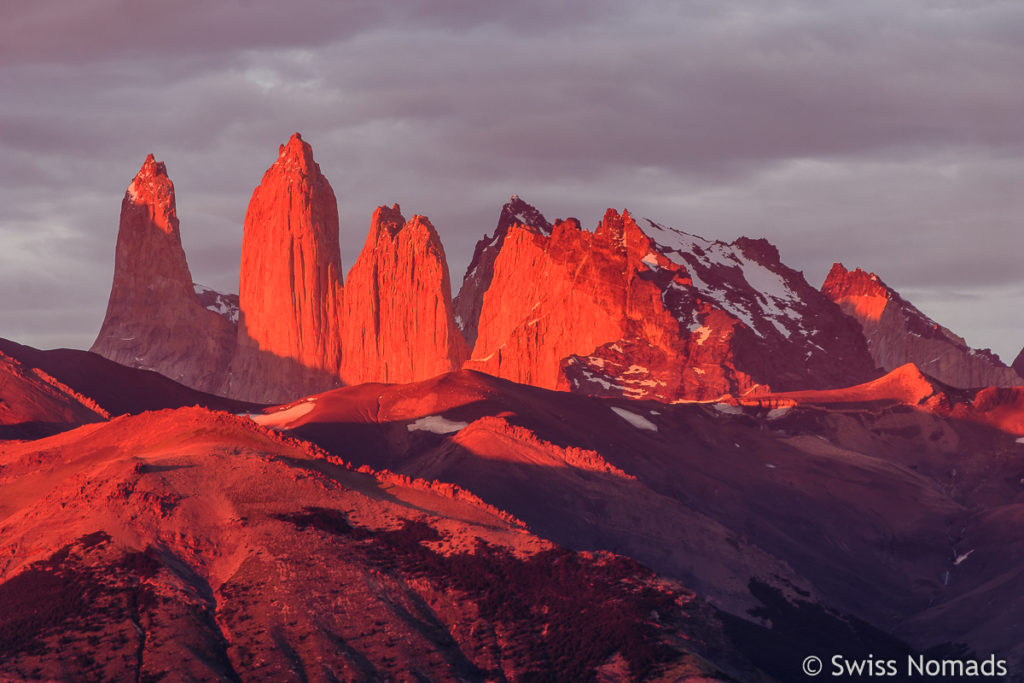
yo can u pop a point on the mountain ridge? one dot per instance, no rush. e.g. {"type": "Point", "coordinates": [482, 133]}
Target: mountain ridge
{"type": "Point", "coordinates": [897, 333]}
{"type": "Point", "coordinates": [633, 308]}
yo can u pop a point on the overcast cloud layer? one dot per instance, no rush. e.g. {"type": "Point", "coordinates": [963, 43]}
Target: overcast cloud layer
{"type": "Point", "coordinates": [884, 135]}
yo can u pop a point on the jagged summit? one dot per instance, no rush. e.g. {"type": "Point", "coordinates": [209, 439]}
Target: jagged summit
{"type": "Point", "coordinates": [478, 276]}
{"type": "Point", "coordinates": [154, 319]}
{"type": "Point", "coordinates": [297, 154]}
{"type": "Point", "coordinates": [516, 210]}
{"type": "Point", "coordinates": [621, 231]}
{"type": "Point", "coordinates": [657, 314]}
{"type": "Point", "coordinates": [898, 333]}
{"type": "Point", "coordinates": [289, 284]}
{"type": "Point", "coordinates": [152, 188]}
{"type": "Point", "coordinates": [398, 319]}
{"type": "Point", "coordinates": [385, 218]}
{"type": "Point", "coordinates": [633, 308]}
{"type": "Point", "coordinates": [151, 168]}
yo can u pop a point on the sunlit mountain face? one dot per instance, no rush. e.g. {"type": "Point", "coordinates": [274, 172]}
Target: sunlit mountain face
{"type": "Point", "coordinates": [618, 452]}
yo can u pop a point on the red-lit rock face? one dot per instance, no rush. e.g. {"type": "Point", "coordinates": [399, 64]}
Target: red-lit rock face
{"type": "Point", "coordinates": [34, 403]}
{"type": "Point", "coordinates": [661, 315]}
{"type": "Point", "coordinates": [289, 336]}
{"type": "Point", "coordinates": [898, 333]}
{"type": "Point", "coordinates": [481, 268]}
{"type": "Point", "coordinates": [154, 320]}
{"type": "Point", "coordinates": [398, 317]}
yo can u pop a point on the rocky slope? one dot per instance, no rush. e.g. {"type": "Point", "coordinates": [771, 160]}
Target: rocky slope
{"type": "Point", "coordinates": [813, 520]}
{"type": "Point", "coordinates": [889, 502]}
{"type": "Point", "coordinates": [189, 544]}
{"type": "Point", "coordinates": [289, 330]}
{"type": "Point", "coordinates": [154, 319]}
{"type": "Point", "coordinates": [898, 333]}
{"type": "Point", "coordinates": [33, 403]}
{"type": "Point", "coordinates": [658, 314]}
{"type": "Point", "coordinates": [116, 389]}
{"type": "Point", "coordinates": [398, 322]}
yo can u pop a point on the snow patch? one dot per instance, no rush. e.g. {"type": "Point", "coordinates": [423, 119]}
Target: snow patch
{"type": "Point", "coordinates": [962, 557]}
{"type": "Point", "coordinates": [727, 408]}
{"type": "Point", "coordinates": [766, 282]}
{"type": "Point", "coordinates": [436, 424]}
{"type": "Point", "coordinates": [283, 419]}
{"type": "Point", "coordinates": [591, 377]}
{"type": "Point", "coordinates": [776, 413]}
{"type": "Point", "coordinates": [768, 296]}
{"type": "Point", "coordinates": [638, 421]}
{"type": "Point", "coordinates": [216, 302]}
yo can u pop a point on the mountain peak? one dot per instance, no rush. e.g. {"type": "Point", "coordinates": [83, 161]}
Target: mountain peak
{"type": "Point", "coordinates": [152, 189]}
{"type": "Point", "coordinates": [621, 230]}
{"type": "Point", "coordinates": [841, 282]}
{"type": "Point", "coordinates": [898, 333]}
{"type": "Point", "coordinates": [420, 223]}
{"type": "Point", "coordinates": [154, 319]}
{"type": "Point", "coordinates": [478, 276]}
{"type": "Point", "coordinates": [760, 249]}
{"type": "Point", "coordinates": [387, 218]}
{"type": "Point", "coordinates": [398, 320]}
{"type": "Point", "coordinates": [289, 283]}
{"type": "Point", "coordinates": [297, 153]}
{"type": "Point", "coordinates": [152, 167]}
{"type": "Point", "coordinates": [517, 211]}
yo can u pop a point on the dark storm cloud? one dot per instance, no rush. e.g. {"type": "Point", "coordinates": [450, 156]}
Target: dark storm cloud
{"type": "Point", "coordinates": [881, 134]}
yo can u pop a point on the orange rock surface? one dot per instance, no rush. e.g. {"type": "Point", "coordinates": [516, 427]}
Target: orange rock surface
{"type": "Point", "coordinates": [481, 267]}
{"type": "Point", "coordinates": [154, 319]}
{"type": "Point", "coordinates": [398, 321]}
{"type": "Point", "coordinates": [569, 293]}
{"type": "Point", "coordinates": [289, 336]}
{"type": "Point", "coordinates": [619, 312]}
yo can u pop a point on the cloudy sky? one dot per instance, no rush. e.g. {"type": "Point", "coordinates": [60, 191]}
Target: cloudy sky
{"type": "Point", "coordinates": [881, 134]}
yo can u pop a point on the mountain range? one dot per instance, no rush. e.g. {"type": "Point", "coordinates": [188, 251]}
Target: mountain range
{"type": "Point", "coordinates": [622, 454]}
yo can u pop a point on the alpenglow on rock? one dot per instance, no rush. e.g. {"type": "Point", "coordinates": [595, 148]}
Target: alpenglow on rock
{"type": "Point", "coordinates": [398, 321]}
{"type": "Point", "coordinates": [154, 320]}
{"type": "Point", "coordinates": [289, 330]}
{"type": "Point", "coordinates": [898, 333]}
{"type": "Point", "coordinates": [481, 267]}
{"type": "Point", "coordinates": [659, 314]}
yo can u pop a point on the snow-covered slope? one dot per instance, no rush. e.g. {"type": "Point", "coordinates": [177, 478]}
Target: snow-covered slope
{"type": "Point", "coordinates": [640, 310]}
{"type": "Point", "coordinates": [226, 305]}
